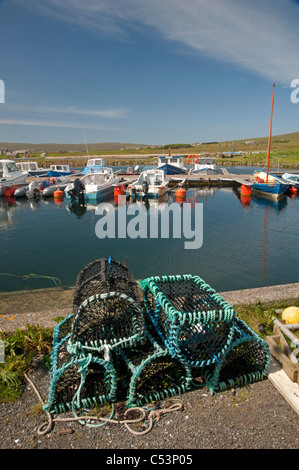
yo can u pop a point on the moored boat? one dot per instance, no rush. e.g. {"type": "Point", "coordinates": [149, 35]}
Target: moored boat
{"type": "Point", "coordinates": [32, 168]}
{"type": "Point", "coordinates": [204, 165]}
{"type": "Point", "coordinates": [293, 180]}
{"type": "Point", "coordinates": [94, 165]}
{"type": "Point", "coordinates": [92, 185]}
{"type": "Point", "coordinates": [10, 175]}
{"type": "Point", "coordinates": [150, 183]}
{"type": "Point", "coordinates": [21, 191]}
{"type": "Point", "coordinates": [172, 164]}
{"type": "Point", "coordinates": [268, 185]}
{"type": "Point", "coordinates": [265, 184]}
{"type": "Point", "coordinates": [54, 184]}
{"type": "Point", "coordinates": [62, 170]}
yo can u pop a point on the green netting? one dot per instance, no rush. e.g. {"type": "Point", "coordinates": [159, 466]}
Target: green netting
{"type": "Point", "coordinates": [107, 308]}
{"type": "Point", "coordinates": [155, 374]}
{"type": "Point", "coordinates": [114, 347]}
{"type": "Point", "coordinates": [80, 380]}
{"type": "Point", "coordinates": [245, 360]}
{"type": "Point", "coordinates": [201, 329]}
{"type": "Point", "coordinates": [195, 323]}
{"type": "Point", "coordinates": [104, 276]}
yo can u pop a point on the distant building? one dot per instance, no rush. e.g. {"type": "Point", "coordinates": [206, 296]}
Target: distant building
{"type": "Point", "coordinates": [44, 154]}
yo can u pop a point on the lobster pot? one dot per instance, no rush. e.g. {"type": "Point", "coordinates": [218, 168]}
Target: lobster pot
{"type": "Point", "coordinates": [59, 354]}
{"type": "Point", "coordinates": [103, 276]}
{"type": "Point", "coordinates": [61, 332]}
{"type": "Point", "coordinates": [105, 322]}
{"type": "Point", "coordinates": [79, 381]}
{"type": "Point", "coordinates": [155, 374]}
{"type": "Point", "coordinates": [194, 322]}
{"type": "Point", "coordinates": [107, 309]}
{"type": "Point", "coordinates": [246, 360]}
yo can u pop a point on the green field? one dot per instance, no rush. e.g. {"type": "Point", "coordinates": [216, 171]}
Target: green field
{"type": "Point", "coordinates": [284, 152]}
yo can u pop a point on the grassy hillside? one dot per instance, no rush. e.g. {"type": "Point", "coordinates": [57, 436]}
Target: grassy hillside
{"type": "Point", "coordinates": [282, 143]}
{"type": "Point", "coordinates": [73, 148]}
{"type": "Point", "coordinates": [284, 151]}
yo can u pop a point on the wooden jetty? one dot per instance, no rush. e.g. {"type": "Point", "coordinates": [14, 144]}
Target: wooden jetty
{"type": "Point", "coordinates": [225, 177]}
{"type": "Point", "coordinates": [194, 179]}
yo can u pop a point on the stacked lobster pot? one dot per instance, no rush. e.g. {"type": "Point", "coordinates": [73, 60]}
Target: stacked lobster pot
{"type": "Point", "coordinates": [105, 351]}
{"type": "Point", "coordinates": [202, 331]}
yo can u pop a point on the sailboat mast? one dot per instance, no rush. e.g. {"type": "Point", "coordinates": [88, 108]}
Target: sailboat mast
{"type": "Point", "coordinates": [269, 143]}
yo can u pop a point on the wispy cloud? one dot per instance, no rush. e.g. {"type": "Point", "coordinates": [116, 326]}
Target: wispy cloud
{"type": "Point", "coordinates": [260, 36]}
{"type": "Point", "coordinates": [58, 124]}
{"type": "Point", "coordinates": [112, 113]}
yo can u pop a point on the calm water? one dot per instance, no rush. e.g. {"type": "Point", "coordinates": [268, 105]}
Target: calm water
{"type": "Point", "coordinates": [244, 246]}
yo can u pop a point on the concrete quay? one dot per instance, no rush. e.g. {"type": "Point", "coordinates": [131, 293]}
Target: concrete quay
{"type": "Point", "coordinates": [42, 305]}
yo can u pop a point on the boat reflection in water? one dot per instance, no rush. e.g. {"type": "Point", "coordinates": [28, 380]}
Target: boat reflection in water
{"type": "Point", "coordinates": [269, 206]}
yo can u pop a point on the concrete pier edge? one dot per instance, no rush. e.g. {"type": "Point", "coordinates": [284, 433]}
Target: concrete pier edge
{"type": "Point", "coordinates": [41, 306]}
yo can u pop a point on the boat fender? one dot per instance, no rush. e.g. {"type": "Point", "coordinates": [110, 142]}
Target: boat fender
{"type": "Point", "coordinates": [58, 194]}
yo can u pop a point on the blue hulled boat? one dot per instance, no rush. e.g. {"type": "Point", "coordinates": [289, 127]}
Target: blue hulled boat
{"type": "Point", "coordinates": [94, 165]}
{"type": "Point", "coordinates": [265, 184]}
{"type": "Point", "coordinates": [61, 170]}
{"type": "Point", "coordinates": [92, 185]}
{"type": "Point", "coordinates": [172, 165]}
{"type": "Point", "coordinates": [272, 187]}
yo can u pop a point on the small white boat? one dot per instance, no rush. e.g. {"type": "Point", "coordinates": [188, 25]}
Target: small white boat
{"type": "Point", "coordinates": [204, 165]}
{"type": "Point", "coordinates": [62, 170]}
{"type": "Point", "coordinates": [291, 178]}
{"type": "Point", "coordinates": [94, 165]}
{"type": "Point", "coordinates": [32, 168]}
{"type": "Point", "coordinates": [151, 183]}
{"type": "Point", "coordinates": [92, 185]}
{"type": "Point", "coordinates": [10, 175]}
{"type": "Point", "coordinates": [172, 165]}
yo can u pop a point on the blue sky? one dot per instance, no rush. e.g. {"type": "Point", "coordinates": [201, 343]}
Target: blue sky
{"type": "Point", "coordinates": [147, 71]}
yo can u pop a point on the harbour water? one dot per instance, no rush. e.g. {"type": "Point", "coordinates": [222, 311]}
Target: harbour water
{"type": "Point", "coordinates": [246, 243]}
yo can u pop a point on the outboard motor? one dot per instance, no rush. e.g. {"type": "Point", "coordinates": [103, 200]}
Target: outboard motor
{"type": "Point", "coordinates": [78, 191]}
{"type": "Point", "coordinates": [145, 187]}
{"type": "Point", "coordinates": [33, 191]}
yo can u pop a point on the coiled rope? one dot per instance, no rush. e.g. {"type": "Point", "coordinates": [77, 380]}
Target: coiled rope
{"type": "Point", "coordinates": [153, 414]}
